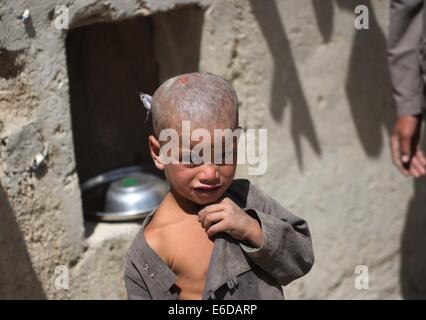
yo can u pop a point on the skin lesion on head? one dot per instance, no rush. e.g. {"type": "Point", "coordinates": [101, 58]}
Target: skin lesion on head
{"type": "Point", "coordinates": [197, 97]}
{"type": "Point", "coordinates": [183, 79]}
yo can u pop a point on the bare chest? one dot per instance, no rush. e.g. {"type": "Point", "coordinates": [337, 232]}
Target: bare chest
{"type": "Point", "coordinates": [189, 259]}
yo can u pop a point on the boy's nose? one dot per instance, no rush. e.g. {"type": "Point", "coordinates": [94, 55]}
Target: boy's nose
{"type": "Point", "coordinates": [209, 174]}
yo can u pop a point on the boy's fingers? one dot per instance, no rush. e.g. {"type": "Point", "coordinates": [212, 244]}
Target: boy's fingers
{"type": "Point", "coordinates": [212, 218]}
{"type": "Point", "coordinates": [209, 209]}
{"type": "Point", "coordinates": [227, 200]}
{"type": "Point", "coordinates": [213, 207]}
{"type": "Point", "coordinates": [216, 228]}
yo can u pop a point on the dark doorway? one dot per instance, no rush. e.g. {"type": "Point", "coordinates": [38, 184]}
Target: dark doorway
{"type": "Point", "coordinates": [108, 63]}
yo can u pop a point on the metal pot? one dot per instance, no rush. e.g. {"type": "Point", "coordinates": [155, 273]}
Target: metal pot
{"type": "Point", "coordinates": [135, 192]}
{"type": "Point", "coordinates": [131, 193]}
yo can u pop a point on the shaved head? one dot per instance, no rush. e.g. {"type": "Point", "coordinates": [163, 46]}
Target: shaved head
{"type": "Point", "coordinates": [203, 98]}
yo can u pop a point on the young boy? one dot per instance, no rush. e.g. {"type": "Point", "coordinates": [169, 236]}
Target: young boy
{"type": "Point", "coordinates": [212, 237]}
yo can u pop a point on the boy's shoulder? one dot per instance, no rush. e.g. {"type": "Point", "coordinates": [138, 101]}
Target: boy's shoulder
{"type": "Point", "coordinates": [162, 229]}
{"type": "Point", "coordinates": [152, 232]}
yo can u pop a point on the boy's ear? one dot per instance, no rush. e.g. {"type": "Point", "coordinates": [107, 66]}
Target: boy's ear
{"type": "Point", "coordinates": [154, 148]}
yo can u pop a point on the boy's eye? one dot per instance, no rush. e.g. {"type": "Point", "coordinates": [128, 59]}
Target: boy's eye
{"type": "Point", "coordinates": [196, 159]}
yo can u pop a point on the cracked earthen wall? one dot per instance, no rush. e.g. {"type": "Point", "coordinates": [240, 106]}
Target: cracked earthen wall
{"type": "Point", "coordinates": [301, 70]}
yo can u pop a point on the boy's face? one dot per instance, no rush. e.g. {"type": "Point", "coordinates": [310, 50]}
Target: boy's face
{"type": "Point", "coordinates": [201, 183]}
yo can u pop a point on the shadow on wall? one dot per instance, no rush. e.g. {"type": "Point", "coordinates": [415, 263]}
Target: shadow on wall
{"type": "Point", "coordinates": [368, 85]}
{"type": "Point", "coordinates": [17, 277]}
{"type": "Point", "coordinates": [286, 86]}
{"type": "Point", "coordinates": [324, 13]}
{"type": "Point", "coordinates": [368, 89]}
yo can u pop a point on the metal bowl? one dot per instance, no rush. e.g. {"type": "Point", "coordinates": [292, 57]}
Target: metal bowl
{"type": "Point", "coordinates": [124, 194]}
{"type": "Point", "coordinates": [135, 192]}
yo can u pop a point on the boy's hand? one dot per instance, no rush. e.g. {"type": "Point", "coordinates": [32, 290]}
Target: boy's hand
{"type": "Point", "coordinates": [227, 217]}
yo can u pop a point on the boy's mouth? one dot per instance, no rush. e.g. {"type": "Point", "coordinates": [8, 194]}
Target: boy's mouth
{"type": "Point", "coordinates": [208, 189]}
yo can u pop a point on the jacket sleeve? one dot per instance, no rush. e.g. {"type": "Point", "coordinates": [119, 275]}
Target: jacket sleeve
{"type": "Point", "coordinates": [287, 252]}
{"type": "Point", "coordinates": [135, 285]}
{"type": "Point", "coordinates": [404, 53]}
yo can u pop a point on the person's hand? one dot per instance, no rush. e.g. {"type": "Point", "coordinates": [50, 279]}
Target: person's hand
{"type": "Point", "coordinates": [227, 217]}
{"type": "Point", "coordinates": [406, 153]}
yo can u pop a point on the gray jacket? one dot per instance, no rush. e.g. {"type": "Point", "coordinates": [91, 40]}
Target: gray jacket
{"type": "Point", "coordinates": [406, 48]}
{"type": "Point", "coordinates": [235, 270]}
